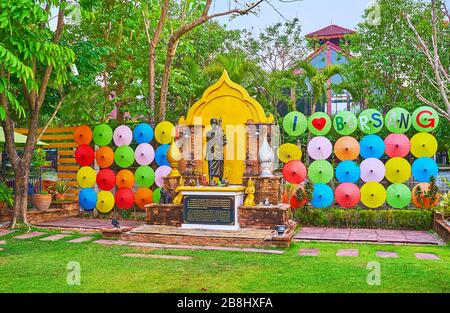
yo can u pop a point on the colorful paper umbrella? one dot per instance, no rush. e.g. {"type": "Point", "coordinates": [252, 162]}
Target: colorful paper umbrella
{"type": "Point", "coordinates": [423, 145]}
{"type": "Point", "coordinates": [122, 136]}
{"type": "Point", "coordinates": [322, 196]}
{"type": "Point", "coordinates": [104, 156]}
{"type": "Point", "coordinates": [125, 179]}
{"type": "Point", "coordinates": [370, 121]}
{"type": "Point", "coordinates": [398, 170]}
{"type": "Point", "coordinates": [397, 145]}
{"type": "Point", "coordinates": [347, 195]}
{"type": "Point", "coordinates": [345, 122]}
{"type": "Point", "coordinates": [422, 199]}
{"type": "Point", "coordinates": [124, 198]}
{"type": "Point", "coordinates": [423, 169]}
{"type": "Point", "coordinates": [144, 154]}
{"type": "Point", "coordinates": [106, 179]}
{"type": "Point", "coordinates": [160, 173]}
{"type": "Point", "coordinates": [398, 196]}
{"type": "Point", "coordinates": [142, 197]}
{"type": "Point", "coordinates": [319, 148]}
{"type": "Point", "coordinates": [295, 123]}
{"type": "Point", "coordinates": [425, 119]}
{"type": "Point", "coordinates": [373, 195]}
{"type": "Point", "coordinates": [105, 201]}
{"type": "Point", "coordinates": [87, 198]}
{"type": "Point", "coordinates": [161, 155]}
{"type": "Point", "coordinates": [144, 176]}
{"type": "Point", "coordinates": [164, 132]}
{"type": "Point", "coordinates": [397, 120]}
{"type": "Point", "coordinates": [320, 171]}
{"type": "Point", "coordinates": [124, 156]}
{"type": "Point", "coordinates": [288, 152]}
{"type": "Point", "coordinates": [82, 135]}
{"type": "Point", "coordinates": [143, 133]}
{"type": "Point", "coordinates": [372, 170]}
{"type": "Point", "coordinates": [319, 123]}
{"type": "Point", "coordinates": [294, 172]}
{"type": "Point", "coordinates": [346, 148]}
{"type": "Point", "coordinates": [156, 195]}
{"type": "Point", "coordinates": [348, 172]}
{"type": "Point", "coordinates": [102, 135]}
{"type": "Point", "coordinates": [84, 155]}
{"type": "Point", "coordinates": [372, 146]}
{"type": "Point", "coordinates": [86, 177]}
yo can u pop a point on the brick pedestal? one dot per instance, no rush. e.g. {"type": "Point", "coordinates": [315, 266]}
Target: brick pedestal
{"type": "Point", "coordinates": [266, 217]}
{"type": "Point", "coordinates": [266, 187]}
{"type": "Point", "coordinates": [164, 214]}
{"type": "Point", "coordinates": [441, 227]}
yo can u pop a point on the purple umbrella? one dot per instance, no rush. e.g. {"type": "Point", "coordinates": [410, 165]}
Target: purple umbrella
{"type": "Point", "coordinates": [160, 173]}
{"type": "Point", "coordinates": [144, 154]}
{"type": "Point", "coordinates": [122, 136]}
{"type": "Point", "coordinates": [320, 148]}
{"type": "Point", "coordinates": [372, 170]}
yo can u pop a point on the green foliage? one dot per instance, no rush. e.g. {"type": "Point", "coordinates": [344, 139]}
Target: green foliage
{"type": "Point", "coordinates": [61, 187]}
{"type": "Point", "coordinates": [39, 158]}
{"type": "Point", "coordinates": [6, 194]}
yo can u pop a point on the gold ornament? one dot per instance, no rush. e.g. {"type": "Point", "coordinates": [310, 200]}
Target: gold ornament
{"type": "Point", "coordinates": [250, 192]}
{"type": "Point", "coordinates": [179, 197]}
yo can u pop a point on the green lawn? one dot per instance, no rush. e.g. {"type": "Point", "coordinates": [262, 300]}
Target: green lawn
{"type": "Point", "coordinates": [35, 266]}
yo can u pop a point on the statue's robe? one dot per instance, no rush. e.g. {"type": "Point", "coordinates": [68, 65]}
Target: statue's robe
{"type": "Point", "coordinates": [215, 141]}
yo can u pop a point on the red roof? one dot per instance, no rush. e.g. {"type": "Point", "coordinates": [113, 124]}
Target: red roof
{"type": "Point", "coordinates": [330, 31]}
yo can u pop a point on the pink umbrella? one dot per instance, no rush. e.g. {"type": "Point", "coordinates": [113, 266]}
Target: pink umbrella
{"type": "Point", "coordinates": [372, 170]}
{"type": "Point", "coordinates": [161, 172]}
{"type": "Point", "coordinates": [320, 148]}
{"type": "Point", "coordinates": [397, 145]}
{"type": "Point", "coordinates": [144, 154]}
{"type": "Point", "coordinates": [122, 136]}
{"type": "Point", "coordinates": [347, 195]}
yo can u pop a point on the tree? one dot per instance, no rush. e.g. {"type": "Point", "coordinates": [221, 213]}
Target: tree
{"type": "Point", "coordinates": [31, 60]}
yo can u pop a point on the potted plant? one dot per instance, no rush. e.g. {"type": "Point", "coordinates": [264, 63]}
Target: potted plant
{"type": "Point", "coordinates": [41, 200]}
{"type": "Point", "coordinates": [6, 196]}
{"type": "Point", "coordinates": [59, 189]}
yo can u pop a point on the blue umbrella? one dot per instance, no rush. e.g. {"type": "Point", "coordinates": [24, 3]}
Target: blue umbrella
{"type": "Point", "coordinates": [423, 169]}
{"type": "Point", "coordinates": [160, 155]}
{"type": "Point", "coordinates": [322, 196]}
{"type": "Point", "coordinates": [143, 133]}
{"type": "Point", "coordinates": [347, 172]}
{"type": "Point", "coordinates": [371, 146]}
{"type": "Point", "coordinates": [87, 199]}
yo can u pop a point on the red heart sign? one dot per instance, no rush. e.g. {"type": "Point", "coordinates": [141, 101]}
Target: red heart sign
{"type": "Point", "coordinates": [319, 123]}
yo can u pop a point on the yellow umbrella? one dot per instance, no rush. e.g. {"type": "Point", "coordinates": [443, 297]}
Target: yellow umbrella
{"type": "Point", "coordinates": [288, 152]}
{"type": "Point", "coordinates": [164, 132]}
{"type": "Point", "coordinates": [423, 145]}
{"type": "Point", "coordinates": [105, 201]}
{"type": "Point", "coordinates": [373, 194]}
{"type": "Point", "coordinates": [86, 177]}
{"type": "Point", "coordinates": [398, 170]}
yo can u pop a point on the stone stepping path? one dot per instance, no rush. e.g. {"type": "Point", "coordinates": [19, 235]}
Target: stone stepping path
{"type": "Point", "coordinates": [2, 242]}
{"type": "Point", "coordinates": [347, 252]}
{"type": "Point", "coordinates": [5, 232]}
{"type": "Point", "coordinates": [81, 239]}
{"type": "Point", "coordinates": [308, 252]}
{"type": "Point", "coordinates": [54, 237]}
{"type": "Point", "coordinates": [386, 254]}
{"type": "Point", "coordinates": [1, 249]}
{"type": "Point", "coordinates": [157, 256]}
{"type": "Point", "coordinates": [426, 256]}
{"type": "Point", "coordinates": [30, 235]}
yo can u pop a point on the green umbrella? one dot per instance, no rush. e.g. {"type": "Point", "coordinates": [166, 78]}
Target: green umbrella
{"type": "Point", "coordinates": [144, 176]}
{"type": "Point", "coordinates": [18, 138]}
{"type": "Point", "coordinates": [102, 135]}
{"type": "Point", "coordinates": [397, 120]}
{"type": "Point", "coordinates": [345, 123]}
{"type": "Point", "coordinates": [320, 171]}
{"type": "Point", "coordinates": [319, 123]}
{"type": "Point", "coordinates": [425, 119]}
{"type": "Point", "coordinates": [124, 156]}
{"type": "Point", "coordinates": [398, 196]}
{"type": "Point", "coordinates": [295, 123]}
{"type": "Point", "coordinates": [370, 121]}
{"type": "Point", "coordinates": [156, 195]}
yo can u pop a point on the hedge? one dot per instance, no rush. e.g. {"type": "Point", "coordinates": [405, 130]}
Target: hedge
{"type": "Point", "coordinates": [366, 218]}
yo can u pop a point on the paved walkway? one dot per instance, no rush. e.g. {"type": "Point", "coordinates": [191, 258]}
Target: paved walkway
{"type": "Point", "coordinates": [85, 223]}
{"type": "Point", "coordinates": [315, 252]}
{"type": "Point", "coordinates": [366, 235]}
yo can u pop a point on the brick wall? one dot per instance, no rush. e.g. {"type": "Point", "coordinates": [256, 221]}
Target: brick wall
{"type": "Point", "coordinates": [266, 187]}
{"type": "Point", "coordinates": [164, 214]}
{"type": "Point", "coordinates": [263, 217]}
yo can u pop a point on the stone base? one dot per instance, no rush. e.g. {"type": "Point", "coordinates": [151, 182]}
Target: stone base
{"type": "Point", "coordinates": [265, 217]}
{"type": "Point", "coordinates": [441, 227]}
{"type": "Point", "coordinates": [164, 214]}
{"type": "Point", "coordinates": [266, 188]}
{"type": "Point", "coordinates": [114, 233]}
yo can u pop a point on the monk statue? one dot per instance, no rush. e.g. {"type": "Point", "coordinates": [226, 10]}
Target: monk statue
{"type": "Point", "coordinates": [250, 192]}
{"type": "Point", "coordinates": [215, 141]}
{"type": "Point", "coordinates": [179, 197]}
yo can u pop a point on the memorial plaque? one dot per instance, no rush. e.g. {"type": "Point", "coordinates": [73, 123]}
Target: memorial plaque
{"type": "Point", "coordinates": [214, 210]}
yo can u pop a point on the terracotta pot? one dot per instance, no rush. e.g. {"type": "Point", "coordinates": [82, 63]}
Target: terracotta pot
{"type": "Point", "coordinates": [42, 202]}
{"type": "Point", "coordinates": [60, 196]}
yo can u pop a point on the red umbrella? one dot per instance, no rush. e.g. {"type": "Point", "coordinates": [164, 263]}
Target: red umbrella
{"type": "Point", "coordinates": [84, 155]}
{"type": "Point", "coordinates": [294, 171]}
{"type": "Point", "coordinates": [106, 179]}
{"type": "Point", "coordinates": [124, 198]}
{"type": "Point", "coordinates": [397, 145]}
{"type": "Point", "coordinates": [347, 195]}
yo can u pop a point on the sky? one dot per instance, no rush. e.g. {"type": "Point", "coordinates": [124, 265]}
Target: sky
{"type": "Point", "coordinates": [313, 14]}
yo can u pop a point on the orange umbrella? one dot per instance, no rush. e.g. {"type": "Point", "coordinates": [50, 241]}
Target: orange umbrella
{"type": "Point", "coordinates": [142, 197]}
{"type": "Point", "coordinates": [104, 156]}
{"type": "Point", "coordinates": [346, 148]}
{"type": "Point", "coordinates": [125, 179]}
{"type": "Point", "coordinates": [423, 201]}
{"type": "Point", "coordinates": [82, 135]}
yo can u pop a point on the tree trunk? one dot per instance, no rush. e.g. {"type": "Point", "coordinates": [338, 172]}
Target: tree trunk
{"type": "Point", "coordinates": [19, 214]}
{"type": "Point", "coordinates": [171, 50]}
